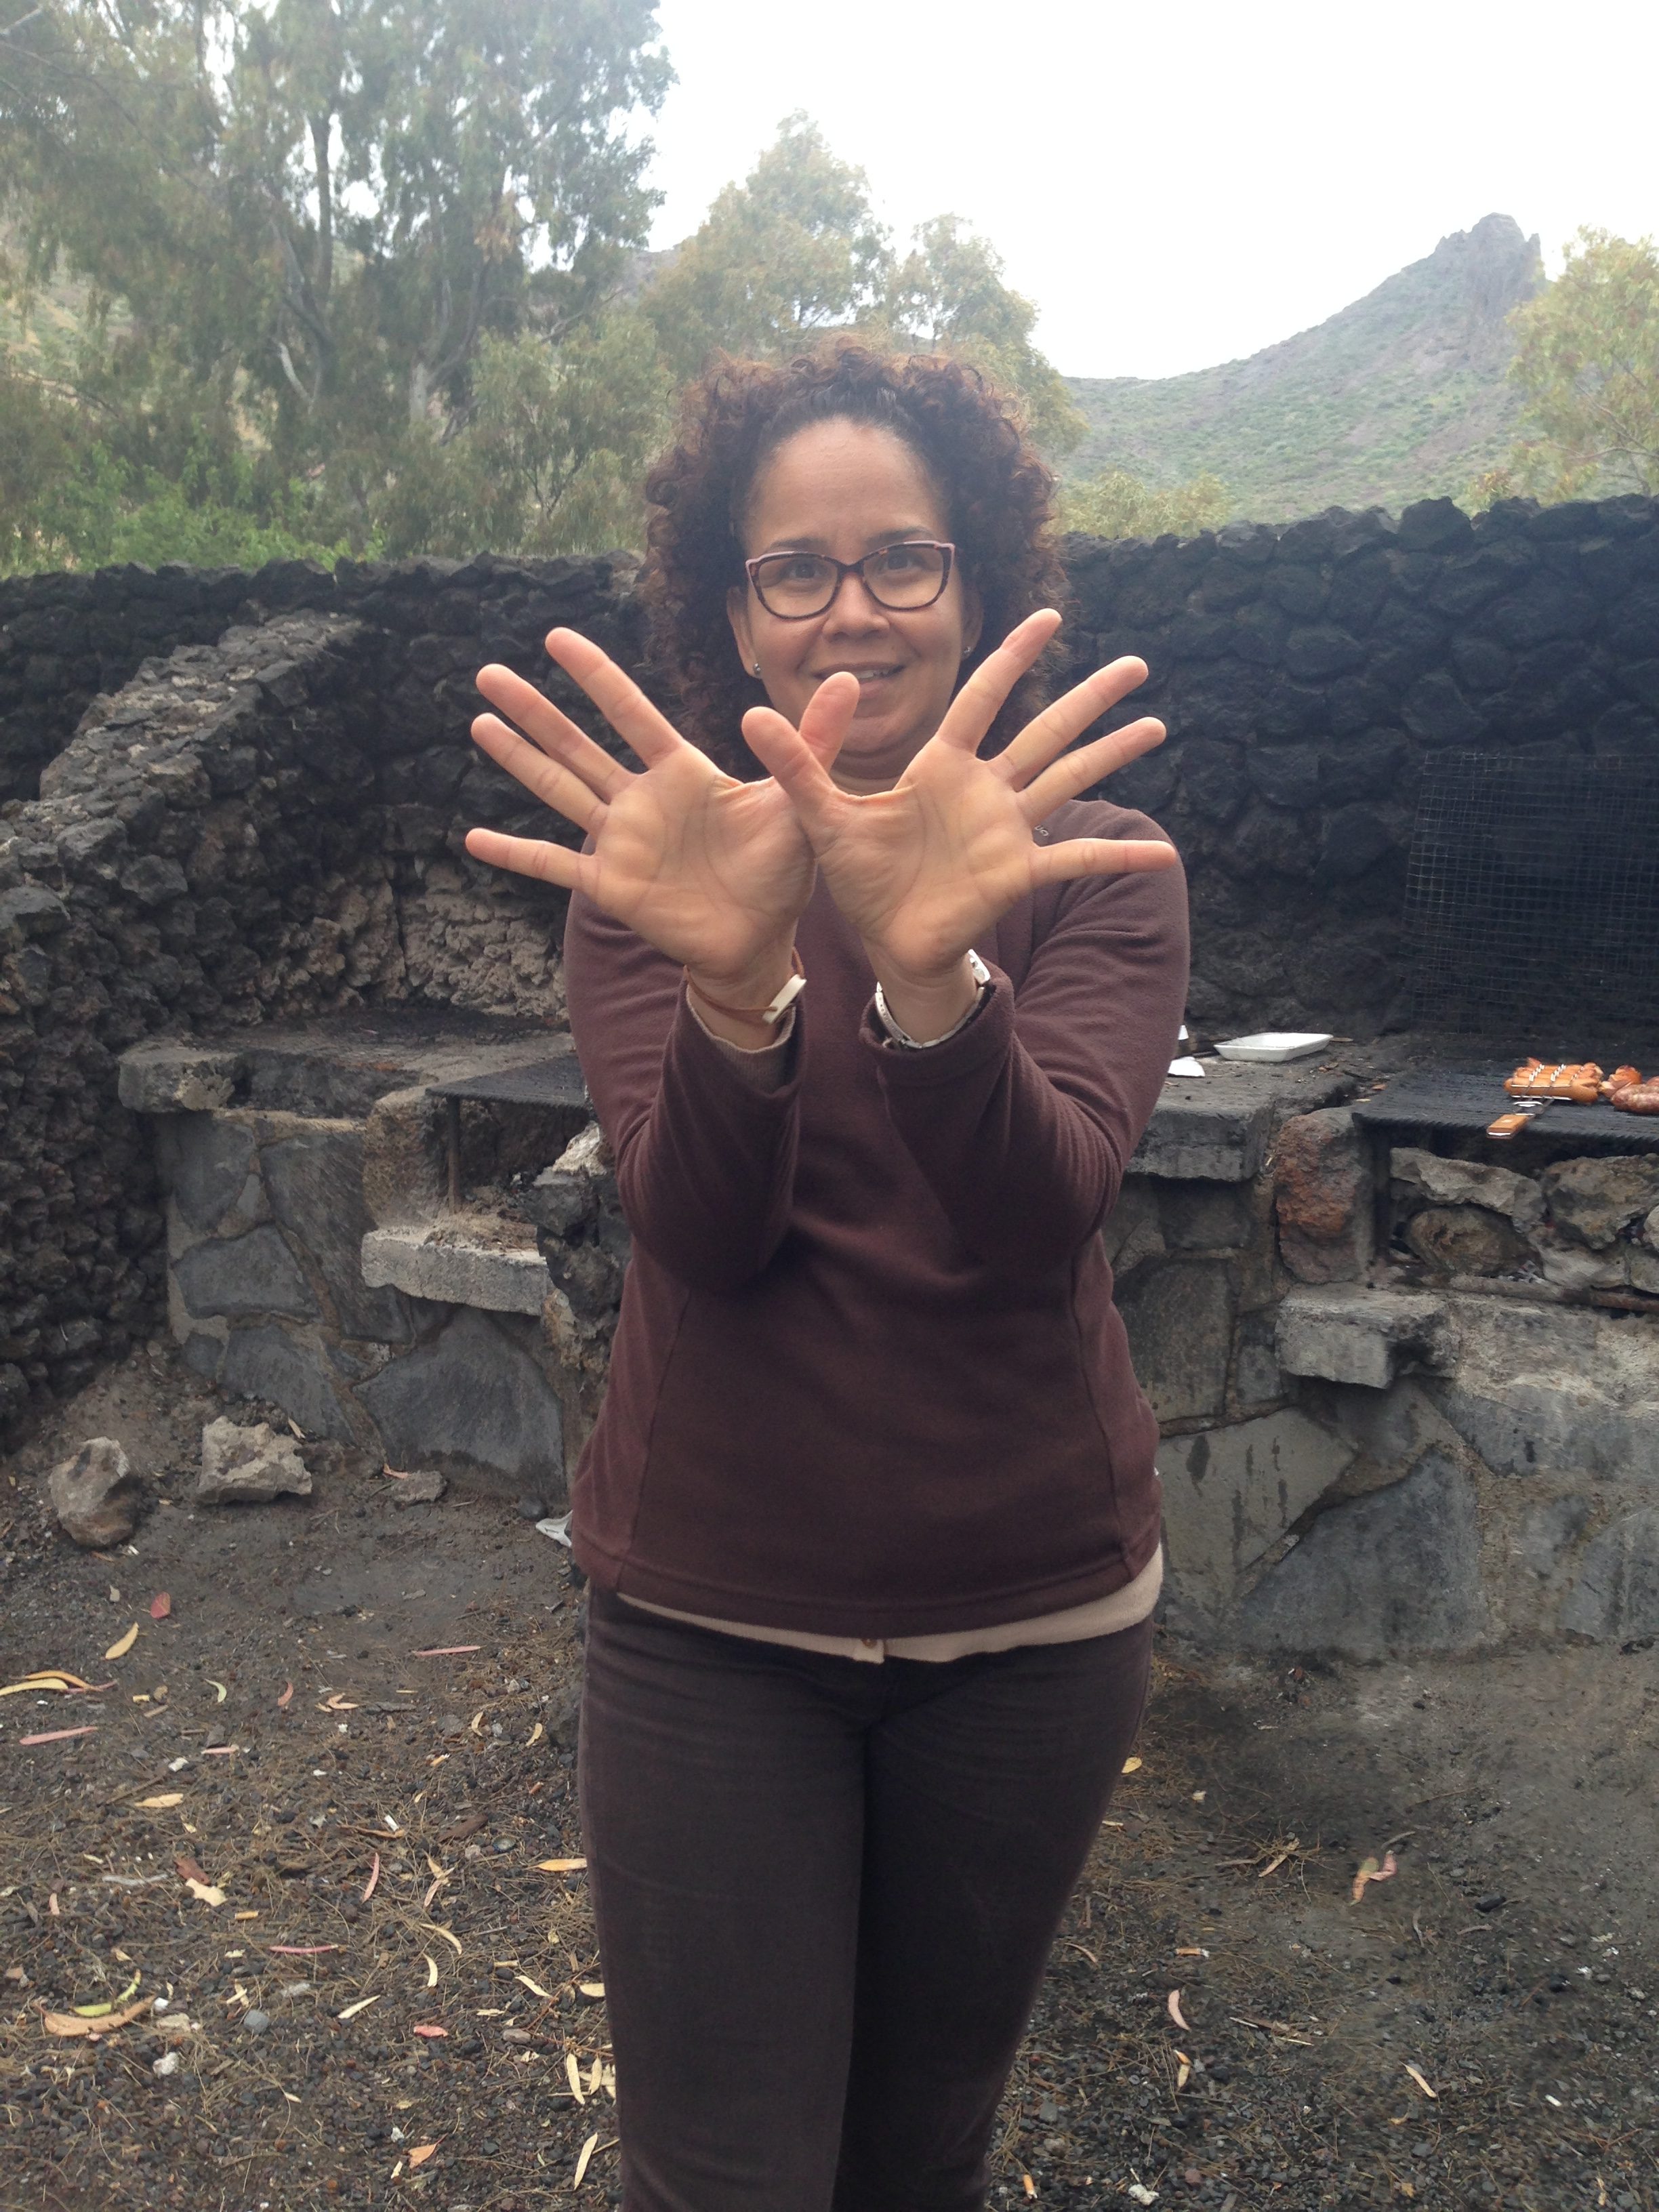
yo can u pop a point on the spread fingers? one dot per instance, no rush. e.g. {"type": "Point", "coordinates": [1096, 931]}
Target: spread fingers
{"type": "Point", "coordinates": [1063, 721]}
{"type": "Point", "coordinates": [1089, 764]}
{"type": "Point", "coordinates": [550, 781]}
{"type": "Point", "coordinates": [553, 730]}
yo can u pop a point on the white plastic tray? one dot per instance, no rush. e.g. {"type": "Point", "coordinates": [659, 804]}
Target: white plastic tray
{"type": "Point", "coordinates": [1276, 1045]}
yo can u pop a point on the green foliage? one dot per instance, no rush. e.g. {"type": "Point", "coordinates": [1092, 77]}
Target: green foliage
{"type": "Point", "coordinates": [797, 249]}
{"type": "Point", "coordinates": [1115, 504]}
{"type": "Point", "coordinates": [948, 296]}
{"type": "Point", "coordinates": [298, 221]}
{"type": "Point", "coordinates": [1400, 396]}
{"type": "Point", "coordinates": [1587, 367]}
{"type": "Point", "coordinates": [68, 502]}
{"type": "Point", "coordinates": [552, 458]}
{"type": "Point", "coordinates": [794, 250]}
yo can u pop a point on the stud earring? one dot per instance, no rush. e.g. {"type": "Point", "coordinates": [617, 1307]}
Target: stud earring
{"type": "Point", "coordinates": [758, 668]}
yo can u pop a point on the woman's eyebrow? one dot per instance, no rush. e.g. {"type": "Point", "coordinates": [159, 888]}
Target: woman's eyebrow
{"type": "Point", "coordinates": [805, 544]}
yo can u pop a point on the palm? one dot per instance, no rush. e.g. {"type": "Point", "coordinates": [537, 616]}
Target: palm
{"type": "Point", "coordinates": [926, 869]}
{"type": "Point", "coordinates": [712, 871]}
{"type": "Point", "coordinates": [704, 868]}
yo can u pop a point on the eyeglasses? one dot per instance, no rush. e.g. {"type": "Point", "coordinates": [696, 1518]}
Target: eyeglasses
{"type": "Point", "coordinates": [794, 586]}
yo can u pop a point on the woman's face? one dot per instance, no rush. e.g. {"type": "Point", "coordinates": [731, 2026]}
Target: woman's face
{"type": "Point", "coordinates": [846, 488]}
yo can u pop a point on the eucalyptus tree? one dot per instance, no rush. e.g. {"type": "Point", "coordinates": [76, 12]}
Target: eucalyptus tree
{"type": "Point", "coordinates": [300, 218]}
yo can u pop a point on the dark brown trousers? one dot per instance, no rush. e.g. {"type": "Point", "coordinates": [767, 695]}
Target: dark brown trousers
{"type": "Point", "coordinates": [826, 1892]}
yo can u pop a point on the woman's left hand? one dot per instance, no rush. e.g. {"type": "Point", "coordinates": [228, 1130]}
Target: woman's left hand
{"type": "Point", "coordinates": [923, 870]}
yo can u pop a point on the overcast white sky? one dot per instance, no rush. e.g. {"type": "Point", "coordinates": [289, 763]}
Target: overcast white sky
{"type": "Point", "coordinates": [1177, 185]}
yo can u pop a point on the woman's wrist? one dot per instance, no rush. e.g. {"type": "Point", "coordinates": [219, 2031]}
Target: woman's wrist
{"type": "Point", "coordinates": [734, 1002]}
{"type": "Point", "coordinates": [928, 1007]}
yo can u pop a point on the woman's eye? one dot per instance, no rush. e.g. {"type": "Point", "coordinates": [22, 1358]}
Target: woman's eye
{"type": "Point", "coordinates": [894, 558]}
{"type": "Point", "coordinates": [804, 570]}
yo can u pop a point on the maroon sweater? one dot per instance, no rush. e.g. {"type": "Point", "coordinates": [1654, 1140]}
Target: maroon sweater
{"type": "Point", "coordinates": [868, 1378]}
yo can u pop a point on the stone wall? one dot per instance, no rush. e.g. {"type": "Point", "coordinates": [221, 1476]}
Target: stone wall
{"type": "Point", "coordinates": [282, 1159]}
{"type": "Point", "coordinates": [247, 831]}
{"type": "Point", "coordinates": [1306, 671]}
{"type": "Point", "coordinates": [1463, 1356]}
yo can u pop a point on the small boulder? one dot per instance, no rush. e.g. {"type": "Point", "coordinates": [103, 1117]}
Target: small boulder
{"type": "Point", "coordinates": [1464, 1239]}
{"type": "Point", "coordinates": [1322, 1196]}
{"type": "Point", "coordinates": [1469, 1182]}
{"type": "Point", "coordinates": [249, 1466]}
{"type": "Point", "coordinates": [95, 1495]}
{"type": "Point", "coordinates": [1590, 1200]}
{"type": "Point", "coordinates": [424, 1486]}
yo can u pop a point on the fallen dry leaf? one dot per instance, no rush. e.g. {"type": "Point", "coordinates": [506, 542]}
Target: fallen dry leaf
{"type": "Point", "coordinates": [585, 2154]}
{"type": "Point", "coordinates": [66, 2023]}
{"type": "Point", "coordinates": [428, 2029]}
{"type": "Point", "coordinates": [302, 1950]}
{"type": "Point", "coordinates": [445, 1650]}
{"type": "Point", "coordinates": [1174, 2012]}
{"type": "Point", "coordinates": [374, 1876]}
{"type": "Point", "coordinates": [1421, 2079]}
{"type": "Point", "coordinates": [162, 1804]}
{"type": "Point", "coordinates": [123, 1644]}
{"type": "Point", "coordinates": [1131, 1765]}
{"type": "Point", "coordinates": [210, 1894]}
{"type": "Point", "coordinates": [591, 1989]}
{"type": "Point", "coordinates": [189, 1870]}
{"type": "Point", "coordinates": [160, 1606]}
{"type": "Point", "coordinates": [535, 1735]}
{"type": "Point", "coordinates": [534, 1988]}
{"type": "Point", "coordinates": [431, 1970]}
{"type": "Point", "coordinates": [1370, 1871]}
{"type": "Point", "coordinates": [362, 2005]}
{"type": "Point", "coordinates": [220, 1692]}
{"type": "Point", "coordinates": [1279, 1857]}
{"type": "Point", "coordinates": [560, 1866]}
{"type": "Point", "coordinates": [421, 2153]}
{"type": "Point", "coordinates": [286, 1696]}
{"type": "Point", "coordinates": [49, 1678]}
{"type": "Point", "coordinates": [572, 2073]}
{"type": "Point", "coordinates": [58, 1736]}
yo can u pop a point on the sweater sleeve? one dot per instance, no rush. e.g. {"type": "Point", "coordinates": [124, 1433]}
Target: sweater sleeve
{"type": "Point", "coordinates": [1024, 1122]}
{"type": "Point", "coordinates": [705, 1155]}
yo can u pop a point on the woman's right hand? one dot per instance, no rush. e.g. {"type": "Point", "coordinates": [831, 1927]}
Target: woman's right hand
{"type": "Point", "coordinates": [713, 871]}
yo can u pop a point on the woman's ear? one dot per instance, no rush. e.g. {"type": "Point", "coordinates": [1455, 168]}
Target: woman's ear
{"type": "Point", "coordinates": [737, 613]}
{"type": "Point", "coordinates": [973, 619]}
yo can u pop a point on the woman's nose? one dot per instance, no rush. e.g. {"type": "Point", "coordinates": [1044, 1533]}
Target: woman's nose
{"type": "Point", "coordinates": [853, 607]}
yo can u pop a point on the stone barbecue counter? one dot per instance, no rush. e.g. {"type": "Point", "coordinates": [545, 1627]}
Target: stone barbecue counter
{"type": "Point", "coordinates": [1219, 1127]}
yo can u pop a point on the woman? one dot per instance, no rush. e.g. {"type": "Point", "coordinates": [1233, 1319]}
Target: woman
{"type": "Point", "coordinates": [872, 1027]}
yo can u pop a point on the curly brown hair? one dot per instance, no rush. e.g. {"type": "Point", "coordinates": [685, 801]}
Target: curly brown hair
{"type": "Point", "coordinates": [997, 490]}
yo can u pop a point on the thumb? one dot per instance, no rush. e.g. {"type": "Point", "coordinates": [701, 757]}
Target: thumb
{"type": "Point", "coordinates": [796, 759]}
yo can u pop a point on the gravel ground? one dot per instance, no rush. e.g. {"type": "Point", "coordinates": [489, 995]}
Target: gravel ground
{"type": "Point", "coordinates": [1479, 2029]}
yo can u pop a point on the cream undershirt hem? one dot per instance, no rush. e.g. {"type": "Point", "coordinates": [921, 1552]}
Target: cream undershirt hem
{"type": "Point", "coordinates": [1101, 1616]}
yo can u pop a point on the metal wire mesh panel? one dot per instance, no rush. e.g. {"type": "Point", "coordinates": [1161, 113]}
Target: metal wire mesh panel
{"type": "Point", "coordinates": [1532, 900]}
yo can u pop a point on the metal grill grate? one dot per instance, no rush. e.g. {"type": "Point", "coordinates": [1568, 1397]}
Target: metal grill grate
{"type": "Point", "coordinates": [1532, 900]}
